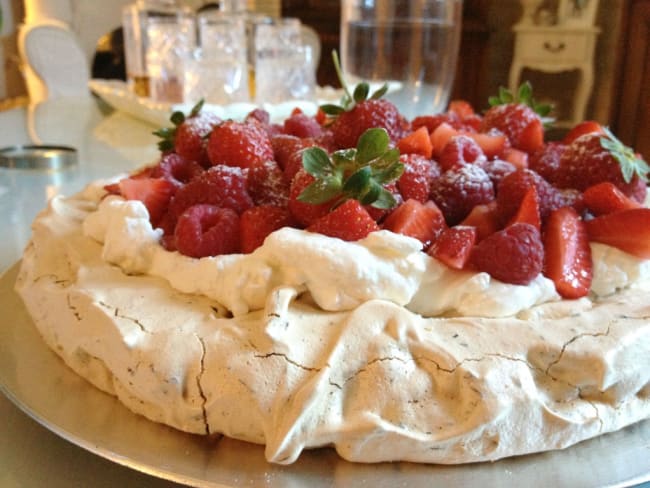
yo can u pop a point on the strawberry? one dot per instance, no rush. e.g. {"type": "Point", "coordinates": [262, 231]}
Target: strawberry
{"type": "Point", "coordinates": [627, 230]}
{"type": "Point", "coordinates": [458, 151]}
{"type": "Point", "coordinates": [155, 193]}
{"type": "Point", "coordinates": [256, 223]}
{"type": "Point", "coordinates": [206, 230]}
{"type": "Point", "coordinates": [187, 136]}
{"type": "Point", "coordinates": [418, 174]}
{"type": "Point", "coordinates": [519, 117]}
{"type": "Point", "coordinates": [239, 144]}
{"type": "Point", "coordinates": [349, 125]}
{"type": "Point", "coordinates": [513, 188]}
{"type": "Point", "coordinates": [223, 186]}
{"type": "Point", "coordinates": [585, 127]}
{"type": "Point", "coordinates": [417, 142]}
{"type": "Point", "coordinates": [421, 221]}
{"type": "Point", "coordinates": [176, 169]}
{"type": "Point", "coordinates": [605, 198]}
{"type": "Point", "coordinates": [567, 255]}
{"type": "Point", "coordinates": [305, 213]}
{"type": "Point", "coordinates": [454, 246]}
{"type": "Point", "coordinates": [349, 221]}
{"type": "Point", "coordinates": [516, 157]}
{"type": "Point", "coordinates": [484, 219]}
{"type": "Point", "coordinates": [441, 136]}
{"type": "Point", "coordinates": [462, 108]}
{"type": "Point", "coordinates": [431, 122]}
{"type": "Point", "coordinates": [190, 140]}
{"type": "Point", "coordinates": [529, 209]}
{"type": "Point", "coordinates": [459, 190]}
{"type": "Point", "coordinates": [266, 184]}
{"type": "Point", "coordinates": [301, 125]}
{"type": "Point", "coordinates": [493, 143]}
{"type": "Point", "coordinates": [594, 158]}
{"type": "Point", "coordinates": [512, 255]}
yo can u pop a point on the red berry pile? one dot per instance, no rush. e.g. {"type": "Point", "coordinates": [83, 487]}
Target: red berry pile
{"type": "Point", "coordinates": [481, 192]}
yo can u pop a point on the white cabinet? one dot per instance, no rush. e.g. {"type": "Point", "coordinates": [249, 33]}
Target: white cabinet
{"type": "Point", "coordinates": [567, 43]}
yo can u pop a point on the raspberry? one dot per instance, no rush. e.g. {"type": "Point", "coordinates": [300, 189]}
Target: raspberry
{"type": "Point", "coordinates": [512, 255]}
{"type": "Point", "coordinates": [546, 161]}
{"type": "Point", "coordinates": [223, 186]}
{"type": "Point", "coordinates": [239, 144]}
{"type": "Point", "coordinates": [266, 184]}
{"type": "Point", "coordinates": [459, 190]}
{"type": "Point", "coordinates": [176, 169]}
{"type": "Point", "coordinates": [497, 169]}
{"type": "Point", "coordinates": [206, 230]}
{"type": "Point", "coordinates": [418, 174]}
{"type": "Point", "coordinates": [460, 150]}
{"type": "Point", "coordinates": [514, 186]}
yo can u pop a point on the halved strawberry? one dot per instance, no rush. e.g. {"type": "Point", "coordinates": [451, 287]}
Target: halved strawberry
{"type": "Point", "coordinates": [529, 209]}
{"type": "Point", "coordinates": [604, 198]}
{"type": "Point", "coordinates": [417, 142]}
{"type": "Point", "coordinates": [454, 246]}
{"type": "Point", "coordinates": [484, 219]}
{"type": "Point", "coordinates": [516, 157]}
{"type": "Point", "coordinates": [567, 255]}
{"type": "Point", "coordinates": [441, 136]}
{"type": "Point", "coordinates": [493, 143]}
{"type": "Point", "coordinates": [349, 221]}
{"type": "Point", "coordinates": [585, 127]}
{"type": "Point", "coordinates": [155, 193]}
{"type": "Point", "coordinates": [423, 221]}
{"type": "Point", "coordinates": [627, 230]}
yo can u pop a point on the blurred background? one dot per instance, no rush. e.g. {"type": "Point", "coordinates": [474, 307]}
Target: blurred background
{"type": "Point", "coordinates": [620, 96]}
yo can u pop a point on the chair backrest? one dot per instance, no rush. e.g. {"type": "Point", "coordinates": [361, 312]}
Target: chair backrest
{"type": "Point", "coordinates": [58, 40]}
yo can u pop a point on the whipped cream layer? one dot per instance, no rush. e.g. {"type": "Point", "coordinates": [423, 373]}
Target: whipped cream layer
{"type": "Point", "coordinates": [371, 347]}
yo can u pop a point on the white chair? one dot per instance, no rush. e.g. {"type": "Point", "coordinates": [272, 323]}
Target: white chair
{"type": "Point", "coordinates": [57, 42]}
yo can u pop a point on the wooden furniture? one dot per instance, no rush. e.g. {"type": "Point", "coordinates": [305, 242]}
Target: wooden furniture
{"type": "Point", "coordinates": [567, 43]}
{"type": "Point", "coordinates": [471, 72]}
{"type": "Point", "coordinates": [631, 99]}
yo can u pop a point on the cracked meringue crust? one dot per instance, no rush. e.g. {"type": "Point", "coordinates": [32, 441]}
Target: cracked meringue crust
{"type": "Point", "coordinates": [399, 371]}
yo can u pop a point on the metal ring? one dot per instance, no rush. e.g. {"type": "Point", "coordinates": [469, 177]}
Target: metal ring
{"type": "Point", "coordinates": [38, 157]}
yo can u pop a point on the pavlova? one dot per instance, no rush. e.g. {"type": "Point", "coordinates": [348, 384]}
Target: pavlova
{"type": "Point", "coordinates": [449, 289]}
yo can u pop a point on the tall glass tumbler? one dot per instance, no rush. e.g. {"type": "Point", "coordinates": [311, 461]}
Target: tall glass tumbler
{"type": "Point", "coordinates": [412, 45]}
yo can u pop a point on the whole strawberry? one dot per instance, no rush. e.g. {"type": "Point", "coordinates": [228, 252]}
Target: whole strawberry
{"type": "Point", "coordinates": [519, 117]}
{"type": "Point", "coordinates": [360, 111]}
{"type": "Point", "coordinates": [188, 135]}
{"type": "Point", "coordinates": [349, 125]}
{"type": "Point", "coordinates": [595, 158]}
{"type": "Point", "coordinates": [239, 144]}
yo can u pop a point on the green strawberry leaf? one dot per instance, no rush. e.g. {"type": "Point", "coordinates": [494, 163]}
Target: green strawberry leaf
{"type": "Point", "coordinates": [331, 109]}
{"type": "Point", "coordinates": [385, 200]}
{"type": "Point", "coordinates": [361, 92]}
{"type": "Point", "coordinates": [380, 92]}
{"type": "Point", "coordinates": [177, 118]}
{"type": "Point", "coordinates": [317, 162]}
{"type": "Point", "coordinates": [196, 109]}
{"type": "Point", "coordinates": [372, 144]}
{"type": "Point", "coordinates": [358, 173]}
{"type": "Point", "coordinates": [631, 163]}
{"type": "Point", "coordinates": [321, 191]}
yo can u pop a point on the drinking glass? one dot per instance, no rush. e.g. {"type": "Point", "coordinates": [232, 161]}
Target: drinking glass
{"type": "Point", "coordinates": [171, 38]}
{"type": "Point", "coordinates": [412, 45]}
{"type": "Point", "coordinates": [218, 70]}
{"type": "Point", "coordinates": [284, 69]}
